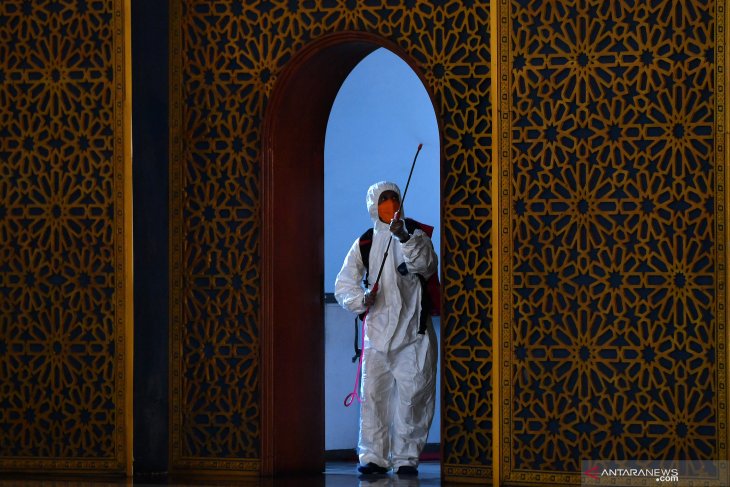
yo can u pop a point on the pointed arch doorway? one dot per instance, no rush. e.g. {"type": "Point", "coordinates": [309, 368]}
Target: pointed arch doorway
{"type": "Point", "coordinates": [292, 199]}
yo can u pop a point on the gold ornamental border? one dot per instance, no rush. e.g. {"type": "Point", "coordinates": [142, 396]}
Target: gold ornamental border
{"type": "Point", "coordinates": [175, 234]}
{"type": "Point", "coordinates": [123, 221]}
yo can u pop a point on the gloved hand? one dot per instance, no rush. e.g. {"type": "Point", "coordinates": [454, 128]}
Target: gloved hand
{"type": "Point", "coordinates": [369, 298]}
{"type": "Point", "coordinates": [398, 229]}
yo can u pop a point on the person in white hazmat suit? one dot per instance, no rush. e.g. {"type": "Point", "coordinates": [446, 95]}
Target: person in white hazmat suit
{"type": "Point", "coordinates": [399, 363]}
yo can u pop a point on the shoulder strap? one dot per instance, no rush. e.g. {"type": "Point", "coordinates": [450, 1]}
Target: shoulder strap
{"type": "Point", "coordinates": [358, 351]}
{"type": "Point", "coordinates": [366, 242]}
{"type": "Point", "coordinates": [431, 289]}
{"type": "Point", "coordinates": [413, 225]}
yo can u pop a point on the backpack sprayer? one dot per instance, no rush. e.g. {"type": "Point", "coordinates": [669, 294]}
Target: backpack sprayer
{"type": "Point", "coordinates": [354, 394]}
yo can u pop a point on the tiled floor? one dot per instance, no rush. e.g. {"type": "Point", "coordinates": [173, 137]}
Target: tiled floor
{"type": "Point", "coordinates": [336, 474]}
{"type": "Point", "coordinates": [342, 475]}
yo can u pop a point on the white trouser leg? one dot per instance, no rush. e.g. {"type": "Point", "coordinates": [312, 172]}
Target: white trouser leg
{"type": "Point", "coordinates": [414, 368]}
{"type": "Point", "coordinates": [375, 411]}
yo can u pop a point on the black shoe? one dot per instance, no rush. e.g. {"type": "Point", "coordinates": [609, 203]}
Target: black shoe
{"type": "Point", "coordinates": [371, 468]}
{"type": "Point", "coordinates": [407, 470]}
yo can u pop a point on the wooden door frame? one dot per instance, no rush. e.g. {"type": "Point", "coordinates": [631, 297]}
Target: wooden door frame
{"type": "Point", "coordinates": [292, 239]}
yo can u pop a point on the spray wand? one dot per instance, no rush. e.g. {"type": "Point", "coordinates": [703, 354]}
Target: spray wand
{"type": "Point", "coordinates": [354, 395]}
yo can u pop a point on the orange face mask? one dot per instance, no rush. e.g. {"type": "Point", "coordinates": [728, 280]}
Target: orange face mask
{"type": "Point", "coordinates": [387, 209]}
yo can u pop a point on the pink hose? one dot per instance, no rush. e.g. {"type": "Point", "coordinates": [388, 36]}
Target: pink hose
{"type": "Point", "coordinates": [354, 394]}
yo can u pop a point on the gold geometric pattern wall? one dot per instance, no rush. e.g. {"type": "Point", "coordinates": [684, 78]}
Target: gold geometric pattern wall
{"type": "Point", "coordinates": [65, 252]}
{"type": "Point", "coordinates": [226, 57]}
{"type": "Point", "coordinates": [612, 260]}
{"type": "Point", "coordinates": [611, 213]}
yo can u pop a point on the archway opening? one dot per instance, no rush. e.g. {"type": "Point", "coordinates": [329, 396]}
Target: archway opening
{"type": "Point", "coordinates": [292, 302]}
{"type": "Point", "coordinates": [380, 115]}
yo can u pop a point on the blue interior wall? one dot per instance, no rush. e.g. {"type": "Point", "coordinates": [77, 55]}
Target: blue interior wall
{"type": "Point", "coordinates": [380, 115]}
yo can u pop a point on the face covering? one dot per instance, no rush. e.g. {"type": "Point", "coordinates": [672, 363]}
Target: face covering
{"type": "Point", "coordinates": [387, 209]}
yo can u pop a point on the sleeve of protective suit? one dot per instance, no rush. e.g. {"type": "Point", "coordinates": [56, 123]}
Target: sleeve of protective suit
{"type": "Point", "coordinates": [419, 254]}
{"type": "Point", "coordinates": [348, 291]}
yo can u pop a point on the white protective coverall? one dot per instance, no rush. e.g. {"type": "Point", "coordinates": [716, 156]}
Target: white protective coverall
{"type": "Point", "coordinates": [399, 365]}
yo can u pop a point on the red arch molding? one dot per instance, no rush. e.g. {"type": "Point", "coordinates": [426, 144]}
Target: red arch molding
{"type": "Point", "coordinates": [292, 310]}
